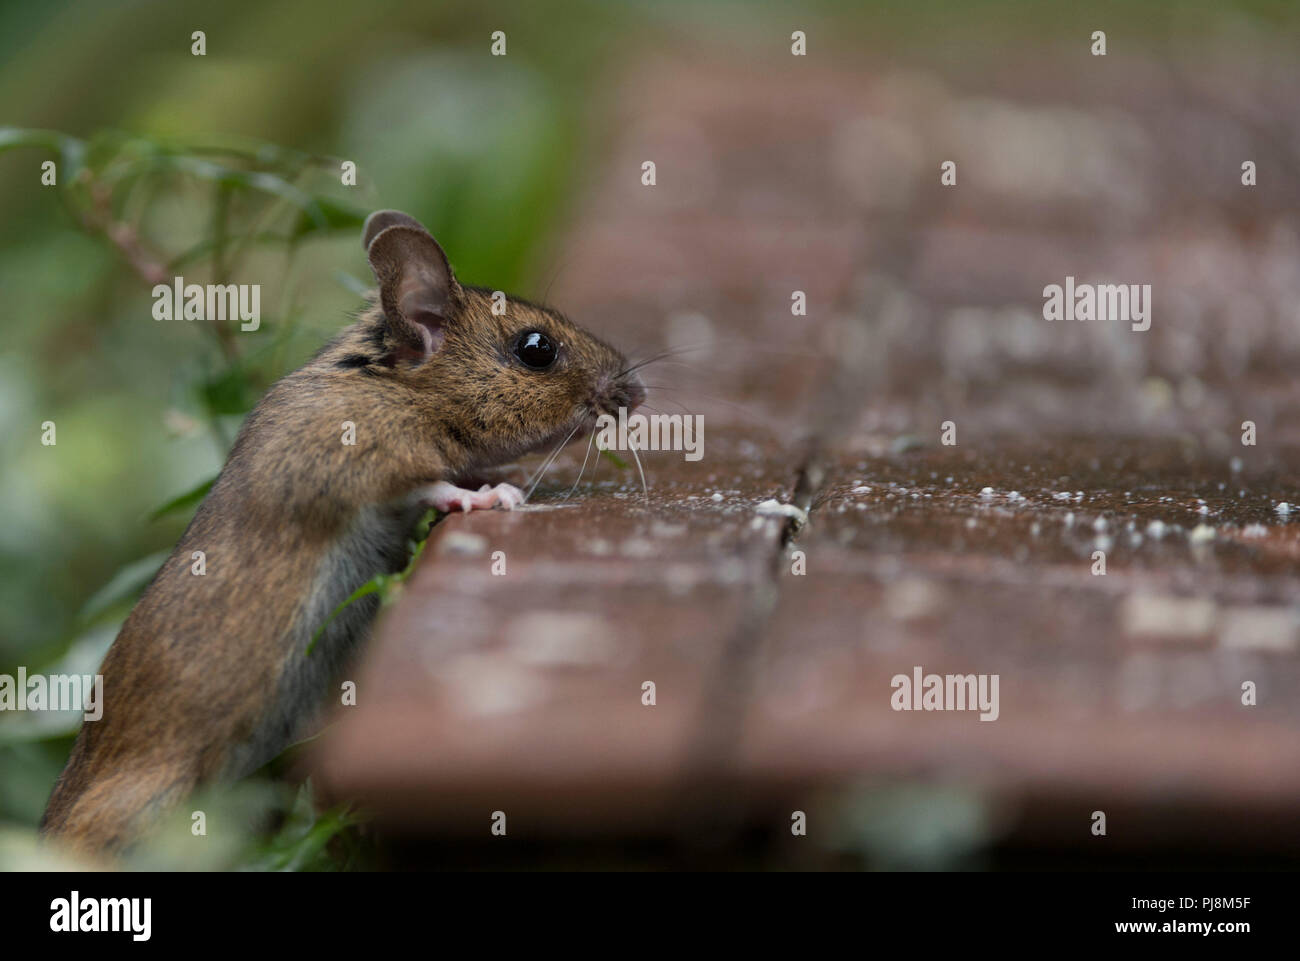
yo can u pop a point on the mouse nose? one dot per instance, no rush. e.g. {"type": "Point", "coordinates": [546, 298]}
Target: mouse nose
{"type": "Point", "coordinates": [627, 392]}
{"type": "Point", "coordinates": [634, 393]}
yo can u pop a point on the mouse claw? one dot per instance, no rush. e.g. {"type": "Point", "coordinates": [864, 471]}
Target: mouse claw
{"type": "Point", "coordinates": [447, 498]}
{"type": "Point", "coordinates": [508, 496]}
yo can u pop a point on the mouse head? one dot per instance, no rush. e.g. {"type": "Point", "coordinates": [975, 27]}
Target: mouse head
{"type": "Point", "coordinates": [500, 376]}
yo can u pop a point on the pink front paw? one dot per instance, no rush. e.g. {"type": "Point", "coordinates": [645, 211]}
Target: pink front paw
{"type": "Point", "coordinates": [508, 495]}
{"type": "Point", "coordinates": [446, 497]}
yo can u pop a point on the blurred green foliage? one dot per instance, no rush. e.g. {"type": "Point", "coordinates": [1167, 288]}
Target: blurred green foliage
{"type": "Point", "coordinates": [226, 167]}
{"type": "Point", "coordinates": [223, 169]}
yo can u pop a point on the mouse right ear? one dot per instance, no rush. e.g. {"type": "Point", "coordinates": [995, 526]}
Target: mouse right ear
{"type": "Point", "coordinates": [383, 219]}
{"type": "Point", "coordinates": [416, 287]}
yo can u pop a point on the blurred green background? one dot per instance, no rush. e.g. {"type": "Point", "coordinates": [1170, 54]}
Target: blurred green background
{"type": "Point", "coordinates": [489, 152]}
{"type": "Point", "coordinates": [226, 167]}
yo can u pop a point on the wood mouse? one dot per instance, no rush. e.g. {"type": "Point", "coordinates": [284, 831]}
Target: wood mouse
{"type": "Point", "coordinates": [210, 676]}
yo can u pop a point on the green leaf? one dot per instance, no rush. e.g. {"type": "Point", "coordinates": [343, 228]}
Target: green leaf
{"type": "Point", "coordinates": [333, 216]}
{"type": "Point", "coordinates": [126, 583]}
{"type": "Point", "coordinates": [302, 843]}
{"type": "Point", "coordinates": [184, 501]}
{"type": "Point", "coordinates": [377, 583]}
{"type": "Point", "coordinates": [385, 585]}
{"type": "Point", "coordinates": [617, 461]}
{"type": "Point", "coordinates": [307, 850]}
{"type": "Point", "coordinates": [227, 393]}
{"type": "Point", "coordinates": [325, 216]}
{"type": "Point", "coordinates": [71, 151]}
{"type": "Point", "coordinates": [253, 180]}
{"type": "Point", "coordinates": [23, 137]}
{"type": "Point", "coordinates": [205, 247]}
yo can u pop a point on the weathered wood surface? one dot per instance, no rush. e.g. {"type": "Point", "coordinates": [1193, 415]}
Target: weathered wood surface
{"type": "Point", "coordinates": [522, 692]}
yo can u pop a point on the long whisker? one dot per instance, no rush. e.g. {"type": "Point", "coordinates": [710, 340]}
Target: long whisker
{"type": "Point", "coordinates": [711, 397]}
{"type": "Point", "coordinates": [671, 352]}
{"type": "Point", "coordinates": [655, 410]}
{"type": "Point", "coordinates": [541, 472]}
{"type": "Point", "coordinates": [644, 489]}
{"type": "Point", "coordinates": [669, 362]}
{"type": "Point", "coordinates": [537, 473]}
{"type": "Point", "coordinates": [554, 277]}
{"type": "Point", "coordinates": [590, 443]}
{"type": "Point", "coordinates": [662, 357]}
{"type": "Point", "coordinates": [546, 465]}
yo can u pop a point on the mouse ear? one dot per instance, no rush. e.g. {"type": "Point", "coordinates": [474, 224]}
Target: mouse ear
{"type": "Point", "coordinates": [381, 220]}
{"type": "Point", "coordinates": [416, 287]}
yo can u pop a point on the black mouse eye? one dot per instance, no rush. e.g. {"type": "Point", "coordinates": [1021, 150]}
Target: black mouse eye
{"type": "Point", "coordinates": [534, 349]}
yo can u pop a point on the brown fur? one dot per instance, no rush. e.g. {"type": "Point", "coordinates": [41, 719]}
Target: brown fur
{"type": "Point", "coordinates": [209, 677]}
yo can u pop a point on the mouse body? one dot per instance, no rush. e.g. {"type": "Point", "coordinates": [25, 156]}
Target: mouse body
{"type": "Point", "coordinates": [215, 672]}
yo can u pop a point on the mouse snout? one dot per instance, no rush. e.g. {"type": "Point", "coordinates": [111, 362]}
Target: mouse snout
{"type": "Point", "coordinates": [633, 393]}
{"type": "Point", "coordinates": [626, 392]}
